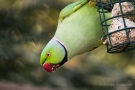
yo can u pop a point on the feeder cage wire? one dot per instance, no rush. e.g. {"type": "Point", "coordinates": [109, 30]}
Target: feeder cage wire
{"type": "Point", "coordinates": [103, 9]}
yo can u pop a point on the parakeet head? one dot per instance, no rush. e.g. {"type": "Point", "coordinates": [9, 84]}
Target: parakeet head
{"type": "Point", "coordinates": [53, 55]}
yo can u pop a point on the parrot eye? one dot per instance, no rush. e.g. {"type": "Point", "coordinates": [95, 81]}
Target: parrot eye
{"type": "Point", "coordinates": [48, 54]}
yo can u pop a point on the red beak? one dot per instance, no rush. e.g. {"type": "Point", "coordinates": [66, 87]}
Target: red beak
{"type": "Point", "coordinates": [50, 67]}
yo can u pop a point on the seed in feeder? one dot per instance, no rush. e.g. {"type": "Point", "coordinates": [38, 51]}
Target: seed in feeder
{"type": "Point", "coordinates": [119, 37]}
{"type": "Point", "coordinates": [127, 7]}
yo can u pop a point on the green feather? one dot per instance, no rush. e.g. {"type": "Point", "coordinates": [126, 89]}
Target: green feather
{"type": "Point", "coordinates": [67, 11]}
{"type": "Point", "coordinates": [81, 31]}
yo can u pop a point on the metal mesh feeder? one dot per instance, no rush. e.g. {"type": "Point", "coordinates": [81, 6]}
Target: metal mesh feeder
{"type": "Point", "coordinates": [118, 24]}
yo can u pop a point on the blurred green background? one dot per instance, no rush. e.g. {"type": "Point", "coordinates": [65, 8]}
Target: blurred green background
{"type": "Point", "coordinates": [25, 28]}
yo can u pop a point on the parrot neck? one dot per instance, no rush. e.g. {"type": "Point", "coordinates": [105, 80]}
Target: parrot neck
{"type": "Point", "coordinates": [65, 59]}
{"type": "Point", "coordinates": [60, 42]}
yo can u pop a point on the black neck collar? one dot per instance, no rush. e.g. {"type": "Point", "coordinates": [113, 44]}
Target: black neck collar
{"type": "Point", "coordinates": [65, 59]}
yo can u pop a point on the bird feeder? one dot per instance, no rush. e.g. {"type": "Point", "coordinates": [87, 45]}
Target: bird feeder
{"type": "Point", "coordinates": [118, 24]}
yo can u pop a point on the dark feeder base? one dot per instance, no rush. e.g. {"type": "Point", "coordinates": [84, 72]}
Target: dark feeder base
{"type": "Point", "coordinates": [103, 9]}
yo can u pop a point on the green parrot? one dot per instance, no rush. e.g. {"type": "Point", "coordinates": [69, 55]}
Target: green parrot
{"type": "Point", "coordinates": [78, 31]}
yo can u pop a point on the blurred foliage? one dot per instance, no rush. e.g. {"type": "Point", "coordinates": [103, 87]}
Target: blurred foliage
{"type": "Point", "coordinates": [25, 28]}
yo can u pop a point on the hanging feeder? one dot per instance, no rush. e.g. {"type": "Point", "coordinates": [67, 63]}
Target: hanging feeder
{"type": "Point", "coordinates": [119, 26]}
